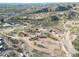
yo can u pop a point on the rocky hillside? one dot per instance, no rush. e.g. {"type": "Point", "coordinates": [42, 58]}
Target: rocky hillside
{"type": "Point", "coordinates": [42, 30]}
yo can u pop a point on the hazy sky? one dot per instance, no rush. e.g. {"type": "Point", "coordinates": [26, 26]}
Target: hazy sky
{"type": "Point", "coordinates": [35, 1]}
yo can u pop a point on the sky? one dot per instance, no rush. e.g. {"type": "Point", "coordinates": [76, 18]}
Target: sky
{"type": "Point", "coordinates": [35, 1]}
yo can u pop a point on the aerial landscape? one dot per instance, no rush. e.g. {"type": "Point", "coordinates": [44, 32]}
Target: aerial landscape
{"type": "Point", "coordinates": [39, 29]}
